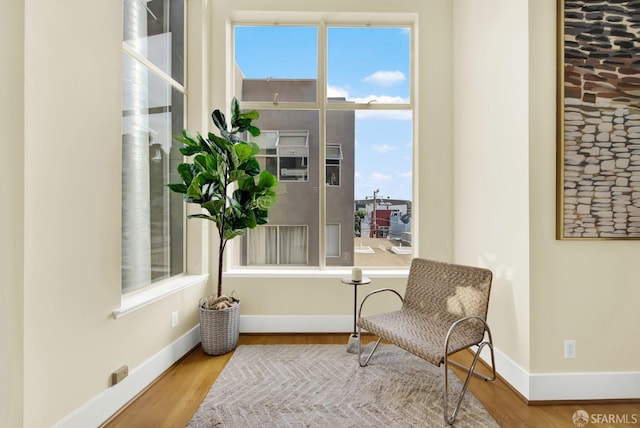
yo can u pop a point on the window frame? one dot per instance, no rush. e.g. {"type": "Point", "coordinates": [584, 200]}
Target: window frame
{"type": "Point", "coordinates": [323, 103]}
{"type": "Point", "coordinates": [280, 149]}
{"type": "Point", "coordinates": [337, 165]}
{"type": "Point", "coordinates": [195, 242]}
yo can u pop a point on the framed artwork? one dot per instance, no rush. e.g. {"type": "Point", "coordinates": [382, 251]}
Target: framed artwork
{"type": "Point", "coordinates": [598, 195]}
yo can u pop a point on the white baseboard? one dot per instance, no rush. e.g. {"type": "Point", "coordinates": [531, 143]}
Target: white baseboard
{"type": "Point", "coordinates": [100, 408]}
{"type": "Point", "coordinates": [584, 386]}
{"type": "Point", "coordinates": [296, 323]}
{"type": "Point", "coordinates": [566, 386]}
{"type": "Point", "coordinates": [509, 370]}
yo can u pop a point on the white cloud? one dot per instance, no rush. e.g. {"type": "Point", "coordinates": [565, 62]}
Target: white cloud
{"type": "Point", "coordinates": [381, 99]}
{"type": "Point", "coordinates": [378, 176]}
{"type": "Point", "coordinates": [383, 148]}
{"type": "Point", "coordinates": [385, 78]}
{"type": "Point", "coordinates": [337, 92]}
{"type": "Point", "coordinates": [406, 174]}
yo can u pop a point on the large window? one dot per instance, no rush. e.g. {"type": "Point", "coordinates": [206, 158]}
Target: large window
{"type": "Point", "coordinates": [334, 115]}
{"type": "Point", "coordinates": [152, 111]}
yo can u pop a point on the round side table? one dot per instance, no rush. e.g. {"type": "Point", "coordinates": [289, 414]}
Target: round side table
{"type": "Point", "coordinates": [352, 347]}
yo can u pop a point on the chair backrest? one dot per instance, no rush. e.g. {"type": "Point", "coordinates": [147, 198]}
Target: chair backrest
{"type": "Point", "coordinates": [448, 291]}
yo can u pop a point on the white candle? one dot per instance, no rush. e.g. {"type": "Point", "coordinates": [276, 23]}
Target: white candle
{"type": "Point", "coordinates": [356, 274]}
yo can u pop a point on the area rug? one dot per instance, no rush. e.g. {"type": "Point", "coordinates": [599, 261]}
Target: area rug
{"type": "Point", "coordinates": [323, 386]}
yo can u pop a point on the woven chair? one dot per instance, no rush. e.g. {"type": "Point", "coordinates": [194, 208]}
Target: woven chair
{"type": "Point", "coordinates": [444, 311]}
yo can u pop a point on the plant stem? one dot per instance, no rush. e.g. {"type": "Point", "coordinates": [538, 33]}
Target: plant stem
{"type": "Point", "coordinates": [221, 230]}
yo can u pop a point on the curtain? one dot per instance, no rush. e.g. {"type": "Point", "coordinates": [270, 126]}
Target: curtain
{"type": "Point", "coordinates": [293, 245]}
{"type": "Point", "coordinates": [262, 246]}
{"type": "Point", "coordinates": [333, 240]}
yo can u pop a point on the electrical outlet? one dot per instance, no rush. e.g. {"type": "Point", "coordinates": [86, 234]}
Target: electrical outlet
{"type": "Point", "coordinates": [569, 349]}
{"type": "Point", "coordinates": [174, 319]}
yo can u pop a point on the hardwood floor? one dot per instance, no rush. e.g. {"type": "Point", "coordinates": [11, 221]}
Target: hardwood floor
{"type": "Point", "coordinates": [172, 400]}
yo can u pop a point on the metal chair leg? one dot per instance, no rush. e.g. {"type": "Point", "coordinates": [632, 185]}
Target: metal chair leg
{"type": "Point", "coordinates": [450, 419]}
{"type": "Point", "coordinates": [360, 349]}
{"type": "Point", "coordinates": [470, 372]}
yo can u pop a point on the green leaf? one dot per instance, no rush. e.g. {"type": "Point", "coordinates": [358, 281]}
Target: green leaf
{"type": "Point", "coordinates": [214, 207]}
{"type": "Point", "coordinates": [261, 217]}
{"type": "Point", "coordinates": [253, 130]}
{"type": "Point", "coordinates": [189, 150]}
{"type": "Point", "coordinates": [249, 221]}
{"type": "Point", "coordinates": [186, 172]}
{"type": "Point", "coordinates": [235, 107]}
{"type": "Point", "coordinates": [230, 234]}
{"type": "Point", "coordinates": [204, 216]}
{"type": "Point", "coordinates": [194, 190]}
{"type": "Point", "coordinates": [251, 166]}
{"type": "Point", "coordinates": [236, 175]}
{"type": "Point", "coordinates": [219, 120]}
{"type": "Point", "coordinates": [178, 187]}
{"type": "Point", "coordinates": [185, 139]}
{"type": "Point", "coordinates": [243, 151]}
{"type": "Point", "coordinates": [252, 114]}
{"type": "Point", "coordinates": [267, 180]}
{"type": "Point", "coordinates": [265, 202]}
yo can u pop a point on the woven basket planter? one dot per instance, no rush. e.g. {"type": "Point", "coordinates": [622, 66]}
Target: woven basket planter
{"type": "Point", "coordinates": [219, 329]}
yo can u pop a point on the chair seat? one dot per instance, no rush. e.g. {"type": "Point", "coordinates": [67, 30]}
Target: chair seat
{"type": "Point", "coordinates": [421, 334]}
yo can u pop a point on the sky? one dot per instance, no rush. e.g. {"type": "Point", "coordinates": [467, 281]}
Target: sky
{"type": "Point", "coordinates": [363, 64]}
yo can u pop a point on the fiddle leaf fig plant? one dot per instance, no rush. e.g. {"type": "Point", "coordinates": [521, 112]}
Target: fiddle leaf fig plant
{"type": "Point", "coordinates": [224, 178]}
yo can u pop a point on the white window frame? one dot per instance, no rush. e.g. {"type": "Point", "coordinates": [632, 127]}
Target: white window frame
{"type": "Point", "coordinates": [322, 20]}
{"type": "Point", "coordinates": [196, 260]}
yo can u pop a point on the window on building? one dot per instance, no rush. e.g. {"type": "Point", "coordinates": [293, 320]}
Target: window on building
{"type": "Point", "coordinates": [284, 153]}
{"type": "Point", "coordinates": [277, 245]}
{"type": "Point", "coordinates": [357, 109]}
{"type": "Point", "coordinates": [153, 100]}
{"type": "Point", "coordinates": [333, 240]}
{"type": "Point", "coordinates": [334, 156]}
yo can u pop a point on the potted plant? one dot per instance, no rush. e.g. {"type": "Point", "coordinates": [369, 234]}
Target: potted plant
{"type": "Point", "coordinates": [224, 178]}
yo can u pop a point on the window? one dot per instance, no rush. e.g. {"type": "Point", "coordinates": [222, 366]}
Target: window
{"type": "Point", "coordinates": [277, 245]}
{"type": "Point", "coordinates": [153, 102]}
{"type": "Point", "coordinates": [284, 154]}
{"type": "Point", "coordinates": [334, 156]}
{"type": "Point", "coordinates": [333, 240]}
{"type": "Point", "coordinates": [355, 108]}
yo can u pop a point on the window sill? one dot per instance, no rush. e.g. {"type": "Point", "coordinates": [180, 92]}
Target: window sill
{"type": "Point", "coordinates": [306, 272]}
{"type": "Point", "coordinates": [133, 301]}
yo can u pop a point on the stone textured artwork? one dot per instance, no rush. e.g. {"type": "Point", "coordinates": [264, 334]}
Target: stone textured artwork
{"type": "Point", "coordinates": [599, 129]}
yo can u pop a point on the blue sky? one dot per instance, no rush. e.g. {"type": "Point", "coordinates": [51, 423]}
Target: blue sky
{"type": "Point", "coordinates": [363, 64]}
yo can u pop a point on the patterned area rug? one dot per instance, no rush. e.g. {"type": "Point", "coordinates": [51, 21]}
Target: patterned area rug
{"type": "Point", "coordinates": [323, 386]}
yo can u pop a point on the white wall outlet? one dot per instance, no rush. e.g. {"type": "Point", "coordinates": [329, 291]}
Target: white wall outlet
{"type": "Point", "coordinates": [569, 349]}
{"type": "Point", "coordinates": [174, 319]}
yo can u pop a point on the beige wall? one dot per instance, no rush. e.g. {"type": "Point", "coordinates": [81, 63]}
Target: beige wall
{"type": "Point", "coordinates": [582, 290]}
{"type": "Point", "coordinates": [491, 203]}
{"type": "Point", "coordinates": [11, 213]}
{"type": "Point", "coordinates": [545, 291]}
{"type": "Point", "coordinates": [72, 215]}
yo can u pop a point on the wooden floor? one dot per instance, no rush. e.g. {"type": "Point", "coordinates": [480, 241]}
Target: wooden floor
{"type": "Point", "coordinates": [172, 400]}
